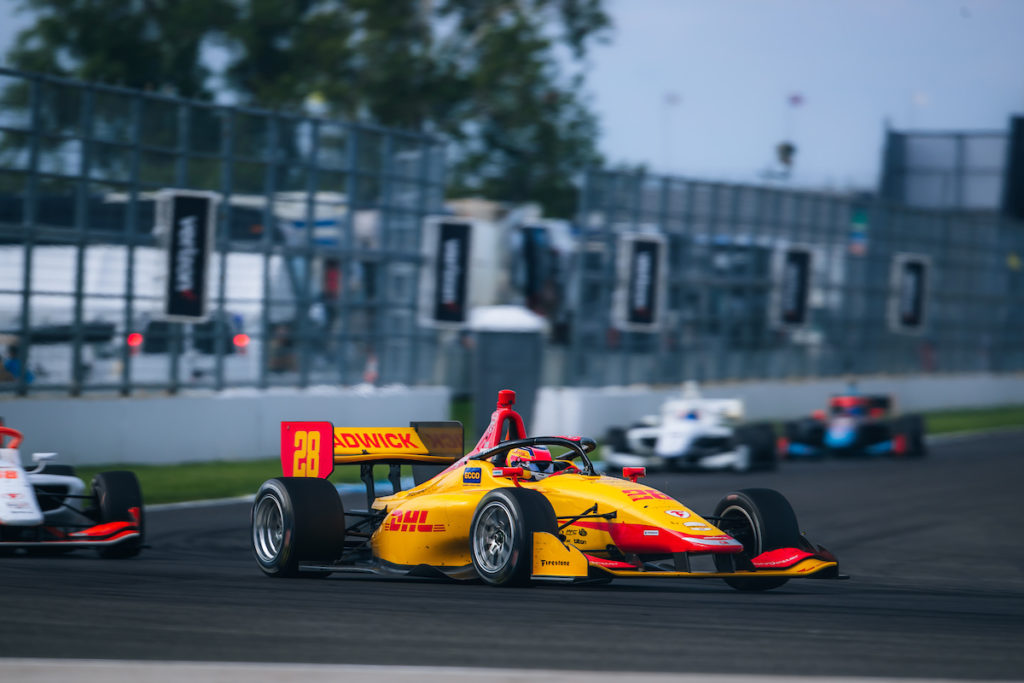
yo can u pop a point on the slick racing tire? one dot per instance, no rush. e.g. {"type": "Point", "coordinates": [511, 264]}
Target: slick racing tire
{"type": "Point", "coordinates": [911, 428]}
{"type": "Point", "coordinates": [501, 534]}
{"type": "Point", "coordinates": [806, 431]}
{"type": "Point", "coordinates": [759, 439]}
{"type": "Point", "coordinates": [762, 520]}
{"type": "Point", "coordinates": [294, 520]}
{"type": "Point", "coordinates": [116, 493]}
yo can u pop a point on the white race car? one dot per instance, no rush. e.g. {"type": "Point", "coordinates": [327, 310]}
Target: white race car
{"type": "Point", "coordinates": [693, 433]}
{"type": "Point", "coordinates": [46, 509]}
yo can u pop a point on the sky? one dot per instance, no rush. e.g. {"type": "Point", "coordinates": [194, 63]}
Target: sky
{"type": "Point", "coordinates": [702, 88]}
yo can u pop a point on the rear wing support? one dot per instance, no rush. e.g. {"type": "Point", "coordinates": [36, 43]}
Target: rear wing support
{"type": "Point", "coordinates": [366, 476]}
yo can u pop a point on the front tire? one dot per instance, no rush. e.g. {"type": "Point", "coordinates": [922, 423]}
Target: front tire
{"type": "Point", "coordinates": [501, 534]}
{"type": "Point", "coordinates": [293, 520]}
{"type": "Point", "coordinates": [762, 520]}
{"type": "Point", "coordinates": [116, 493]}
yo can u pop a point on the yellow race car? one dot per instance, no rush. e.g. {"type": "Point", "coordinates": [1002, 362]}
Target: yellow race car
{"type": "Point", "coordinates": [512, 511]}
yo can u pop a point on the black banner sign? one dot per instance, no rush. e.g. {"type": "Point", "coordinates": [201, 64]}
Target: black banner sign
{"type": "Point", "coordinates": [908, 296]}
{"type": "Point", "coordinates": [794, 286]}
{"type": "Point", "coordinates": [642, 302]}
{"type": "Point", "coordinates": [451, 265]}
{"type": "Point", "coordinates": [640, 283]}
{"type": "Point", "coordinates": [188, 252]}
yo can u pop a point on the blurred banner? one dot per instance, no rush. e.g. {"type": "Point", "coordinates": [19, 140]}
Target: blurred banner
{"type": "Point", "coordinates": [188, 221]}
{"type": "Point", "coordinates": [792, 286]}
{"type": "Point", "coordinates": [908, 293]}
{"type": "Point", "coordinates": [639, 298]}
{"type": "Point", "coordinates": [444, 294]}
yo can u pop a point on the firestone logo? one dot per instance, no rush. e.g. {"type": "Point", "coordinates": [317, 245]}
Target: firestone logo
{"type": "Point", "coordinates": [554, 563]}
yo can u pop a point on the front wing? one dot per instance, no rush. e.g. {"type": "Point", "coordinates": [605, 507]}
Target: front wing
{"type": "Point", "coordinates": [100, 535]}
{"type": "Point", "coordinates": [554, 561]}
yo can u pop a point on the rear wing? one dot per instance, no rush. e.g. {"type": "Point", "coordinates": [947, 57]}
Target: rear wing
{"type": "Point", "coordinates": [312, 449]}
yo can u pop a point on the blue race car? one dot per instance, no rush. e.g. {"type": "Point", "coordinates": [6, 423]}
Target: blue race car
{"type": "Point", "coordinates": [854, 425]}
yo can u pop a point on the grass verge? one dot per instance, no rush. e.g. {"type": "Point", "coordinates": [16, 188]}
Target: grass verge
{"type": "Point", "coordinates": [223, 479]}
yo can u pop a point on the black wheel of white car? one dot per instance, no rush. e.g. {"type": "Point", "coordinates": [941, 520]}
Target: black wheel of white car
{"type": "Point", "coordinates": [501, 534]}
{"type": "Point", "coordinates": [762, 520]}
{"type": "Point", "coordinates": [296, 520]}
{"type": "Point", "coordinates": [759, 441]}
{"type": "Point", "coordinates": [117, 494]}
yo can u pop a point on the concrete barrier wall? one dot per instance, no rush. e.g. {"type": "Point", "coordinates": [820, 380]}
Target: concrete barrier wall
{"type": "Point", "coordinates": [244, 424]}
{"type": "Point", "coordinates": [592, 411]}
{"type": "Point", "coordinates": [231, 425]}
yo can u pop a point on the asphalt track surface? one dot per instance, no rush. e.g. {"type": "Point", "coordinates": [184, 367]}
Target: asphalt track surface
{"type": "Point", "coordinates": [935, 549]}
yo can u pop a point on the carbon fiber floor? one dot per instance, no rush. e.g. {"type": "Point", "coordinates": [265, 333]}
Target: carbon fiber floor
{"type": "Point", "coordinates": [934, 547]}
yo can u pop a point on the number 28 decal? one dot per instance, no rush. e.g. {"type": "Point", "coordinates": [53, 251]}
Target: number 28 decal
{"type": "Point", "coordinates": [307, 449]}
{"type": "Point", "coordinates": [307, 454]}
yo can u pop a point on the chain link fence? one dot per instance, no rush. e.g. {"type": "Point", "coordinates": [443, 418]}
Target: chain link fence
{"type": "Point", "coordinates": [316, 252]}
{"type": "Point", "coordinates": [724, 245]}
{"type": "Point", "coordinates": [316, 263]}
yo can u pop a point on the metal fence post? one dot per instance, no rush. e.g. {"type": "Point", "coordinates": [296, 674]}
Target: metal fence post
{"type": "Point", "coordinates": [223, 239]}
{"type": "Point", "coordinates": [29, 227]}
{"type": "Point", "coordinates": [131, 237]}
{"type": "Point", "coordinates": [81, 236]}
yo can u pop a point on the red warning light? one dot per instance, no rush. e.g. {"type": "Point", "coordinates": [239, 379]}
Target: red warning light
{"type": "Point", "coordinates": [241, 340]}
{"type": "Point", "coordinates": [134, 340]}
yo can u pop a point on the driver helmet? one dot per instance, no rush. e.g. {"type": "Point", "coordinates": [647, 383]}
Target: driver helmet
{"type": "Point", "coordinates": [534, 459]}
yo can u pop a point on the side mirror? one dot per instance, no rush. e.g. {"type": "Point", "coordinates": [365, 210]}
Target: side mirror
{"type": "Point", "coordinates": [634, 473]}
{"type": "Point", "coordinates": [513, 473]}
{"type": "Point", "coordinates": [43, 457]}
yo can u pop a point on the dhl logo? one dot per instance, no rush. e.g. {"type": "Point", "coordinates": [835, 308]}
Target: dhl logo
{"type": "Point", "coordinates": [411, 520]}
{"type": "Point", "coordinates": [357, 440]}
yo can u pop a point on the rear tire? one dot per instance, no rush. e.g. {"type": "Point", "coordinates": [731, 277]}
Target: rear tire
{"type": "Point", "coordinates": [759, 438]}
{"type": "Point", "coordinates": [912, 428]}
{"type": "Point", "coordinates": [116, 493]}
{"type": "Point", "coordinates": [762, 520]}
{"type": "Point", "coordinates": [806, 431]}
{"type": "Point", "coordinates": [293, 520]}
{"type": "Point", "coordinates": [501, 534]}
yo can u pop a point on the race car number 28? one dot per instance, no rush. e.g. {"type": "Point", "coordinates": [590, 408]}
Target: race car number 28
{"type": "Point", "coordinates": [307, 454]}
{"type": "Point", "coordinates": [306, 449]}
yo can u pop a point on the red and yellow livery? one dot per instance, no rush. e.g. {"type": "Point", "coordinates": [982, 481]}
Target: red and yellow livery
{"type": "Point", "coordinates": [482, 518]}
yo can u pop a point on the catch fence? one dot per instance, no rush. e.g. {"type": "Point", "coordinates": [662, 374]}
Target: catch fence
{"type": "Point", "coordinates": [315, 258]}
{"type": "Point", "coordinates": [726, 285]}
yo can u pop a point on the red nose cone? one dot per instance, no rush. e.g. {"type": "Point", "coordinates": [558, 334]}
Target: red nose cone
{"type": "Point", "coordinates": [506, 398]}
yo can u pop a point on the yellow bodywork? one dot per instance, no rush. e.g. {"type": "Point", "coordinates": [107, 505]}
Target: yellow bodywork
{"type": "Point", "coordinates": [430, 524]}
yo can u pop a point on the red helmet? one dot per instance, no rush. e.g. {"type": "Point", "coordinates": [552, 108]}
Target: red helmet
{"type": "Point", "coordinates": [535, 459]}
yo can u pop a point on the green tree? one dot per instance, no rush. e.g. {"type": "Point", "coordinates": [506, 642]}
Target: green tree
{"type": "Point", "coordinates": [524, 131]}
{"type": "Point", "coordinates": [495, 77]}
{"type": "Point", "coordinates": [143, 44]}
